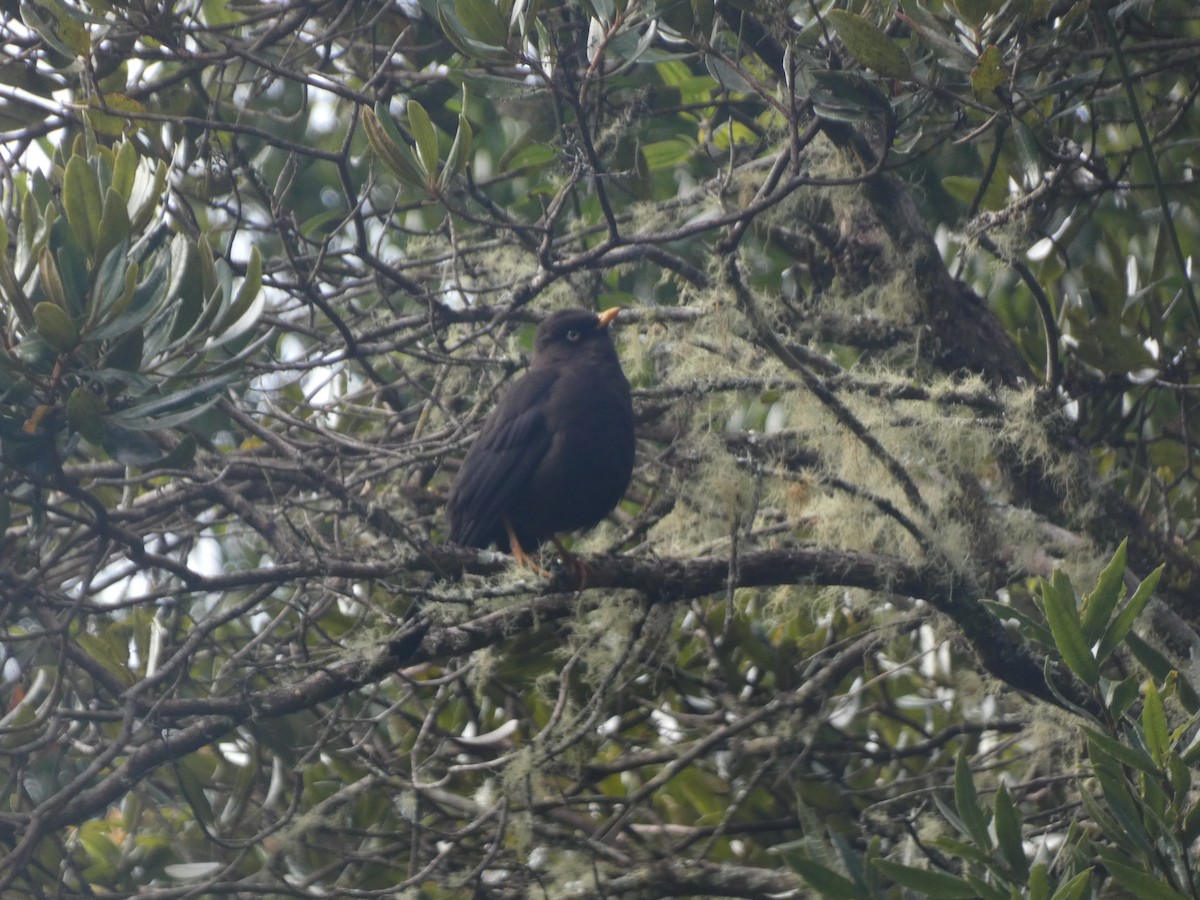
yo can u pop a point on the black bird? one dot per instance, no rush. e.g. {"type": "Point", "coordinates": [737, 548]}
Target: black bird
{"type": "Point", "coordinates": [556, 453]}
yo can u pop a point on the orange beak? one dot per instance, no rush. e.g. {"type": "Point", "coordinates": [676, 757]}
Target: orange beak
{"type": "Point", "coordinates": [608, 315]}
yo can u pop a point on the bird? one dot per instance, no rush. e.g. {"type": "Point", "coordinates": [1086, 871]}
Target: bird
{"type": "Point", "coordinates": [556, 453]}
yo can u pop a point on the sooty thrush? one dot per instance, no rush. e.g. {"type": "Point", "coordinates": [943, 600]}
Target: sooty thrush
{"type": "Point", "coordinates": [556, 453]}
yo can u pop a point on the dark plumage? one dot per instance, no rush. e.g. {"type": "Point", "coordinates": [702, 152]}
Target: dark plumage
{"type": "Point", "coordinates": [556, 453]}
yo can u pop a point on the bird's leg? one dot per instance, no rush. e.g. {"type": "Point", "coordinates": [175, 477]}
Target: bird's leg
{"type": "Point", "coordinates": [572, 562]}
{"type": "Point", "coordinates": [523, 559]}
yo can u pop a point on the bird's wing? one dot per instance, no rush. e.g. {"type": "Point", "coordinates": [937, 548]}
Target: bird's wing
{"type": "Point", "coordinates": [512, 443]}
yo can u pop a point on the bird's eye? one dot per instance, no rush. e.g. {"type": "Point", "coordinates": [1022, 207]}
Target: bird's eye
{"type": "Point", "coordinates": [574, 335]}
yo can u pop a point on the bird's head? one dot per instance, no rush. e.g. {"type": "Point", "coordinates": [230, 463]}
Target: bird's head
{"type": "Point", "coordinates": [574, 334]}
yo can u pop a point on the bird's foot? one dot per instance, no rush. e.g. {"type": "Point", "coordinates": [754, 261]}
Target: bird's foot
{"type": "Point", "coordinates": [572, 562]}
{"type": "Point", "coordinates": [524, 560]}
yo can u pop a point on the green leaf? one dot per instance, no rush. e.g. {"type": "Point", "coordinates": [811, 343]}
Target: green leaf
{"type": "Point", "coordinates": [869, 45]}
{"type": "Point", "coordinates": [925, 882]}
{"type": "Point", "coordinates": [115, 280]}
{"type": "Point", "coordinates": [1102, 746]}
{"type": "Point", "coordinates": [193, 791]}
{"type": "Point", "coordinates": [50, 279]}
{"type": "Point", "coordinates": [1099, 605]}
{"type": "Point", "coordinates": [461, 150]}
{"type": "Point", "coordinates": [965, 189]}
{"type": "Point", "coordinates": [81, 199]}
{"type": "Point", "coordinates": [55, 327]}
{"type": "Point", "coordinates": [823, 879]}
{"type": "Point", "coordinates": [961, 849]}
{"type": "Point", "coordinates": [1007, 819]}
{"type": "Point", "coordinates": [1073, 889]}
{"type": "Point", "coordinates": [847, 97]}
{"type": "Point", "coordinates": [482, 21]}
{"type": "Point", "coordinates": [59, 26]}
{"type": "Point", "coordinates": [1154, 724]}
{"type": "Point", "coordinates": [153, 413]}
{"type": "Point", "coordinates": [1030, 627]}
{"type": "Point", "coordinates": [967, 803]}
{"type": "Point", "coordinates": [425, 135]}
{"type": "Point", "coordinates": [125, 170]}
{"type": "Point", "coordinates": [988, 73]}
{"type": "Point", "coordinates": [469, 47]}
{"type": "Point", "coordinates": [148, 297]}
{"type": "Point", "coordinates": [1141, 883]}
{"type": "Point", "coordinates": [1039, 883]}
{"type": "Point", "coordinates": [85, 414]}
{"type": "Point", "coordinates": [986, 891]}
{"type": "Point", "coordinates": [395, 156]}
{"type": "Point", "coordinates": [247, 293]}
{"type": "Point", "coordinates": [1121, 695]}
{"type": "Point", "coordinates": [1124, 621]}
{"type": "Point", "coordinates": [126, 353]}
{"type": "Point", "coordinates": [1063, 617]}
{"type": "Point", "coordinates": [108, 650]}
{"type": "Point", "coordinates": [129, 447]}
{"type": "Point", "coordinates": [1125, 809]}
{"type": "Point", "coordinates": [181, 456]}
{"type": "Point", "coordinates": [973, 12]}
{"type": "Point", "coordinates": [114, 223]}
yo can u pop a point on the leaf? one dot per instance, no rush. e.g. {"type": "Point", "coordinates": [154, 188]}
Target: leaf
{"type": "Point", "coordinates": [247, 292]}
{"type": "Point", "coordinates": [145, 201]}
{"type": "Point", "coordinates": [109, 652]}
{"type": "Point", "coordinates": [456, 33]}
{"type": "Point", "coordinates": [85, 414]}
{"type": "Point", "coordinates": [926, 882]}
{"type": "Point", "coordinates": [988, 73]}
{"type": "Point", "coordinates": [112, 119]}
{"type": "Point", "coordinates": [425, 135]}
{"type": "Point", "coordinates": [192, 789]}
{"type": "Point", "coordinates": [869, 45]}
{"type": "Point", "coordinates": [822, 878]}
{"type": "Point", "coordinates": [1121, 696]}
{"type": "Point", "coordinates": [1099, 605]}
{"type": "Point", "coordinates": [1120, 802]}
{"type": "Point", "coordinates": [58, 26]}
{"type": "Point", "coordinates": [124, 170]}
{"type": "Point", "coordinates": [1141, 883]}
{"type": "Point", "coordinates": [147, 298]}
{"type": "Point", "coordinates": [1101, 747]}
{"type": "Point", "coordinates": [1122, 624]}
{"type": "Point", "coordinates": [393, 155]}
{"type": "Point", "coordinates": [181, 456]}
{"type": "Point", "coordinates": [1154, 724]}
{"type": "Point", "coordinates": [126, 353]}
{"type": "Point", "coordinates": [1058, 600]}
{"type": "Point", "coordinates": [1029, 626]}
{"type": "Point", "coordinates": [115, 226]}
{"type": "Point", "coordinates": [965, 189]}
{"type": "Point", "coordinates": [973, 12]}
{"type": "Point", "coordinates": [51, 281]}
{"type": "Point", "coordinates": [114, 282]}
{"type": "Point", "coordinates": [967, 803]}
{"type": "Point", "coordinates": [1007, 820]}
{"type": "Point", "coordinates": [1073, 889]}
{"type": "Point", "coordinates": [81, 200]}
{"type": "Point", "coordinates": [55, 327]}
{"type": "Point", "coordinates": [481, 21]}
{"type": "Point", "coordinates": [153, 413]}
{"type": "Point", "coordinates": [461, 149]}
{"type": "Point", "coordinates": [129, 447]}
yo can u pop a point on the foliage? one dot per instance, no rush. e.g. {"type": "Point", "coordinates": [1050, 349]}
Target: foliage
{"type": "Point", "coordinates": [265, 268]}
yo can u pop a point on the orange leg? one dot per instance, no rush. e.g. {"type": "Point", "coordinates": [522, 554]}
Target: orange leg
{"type": "Point", "coordinates": [523, 559]}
